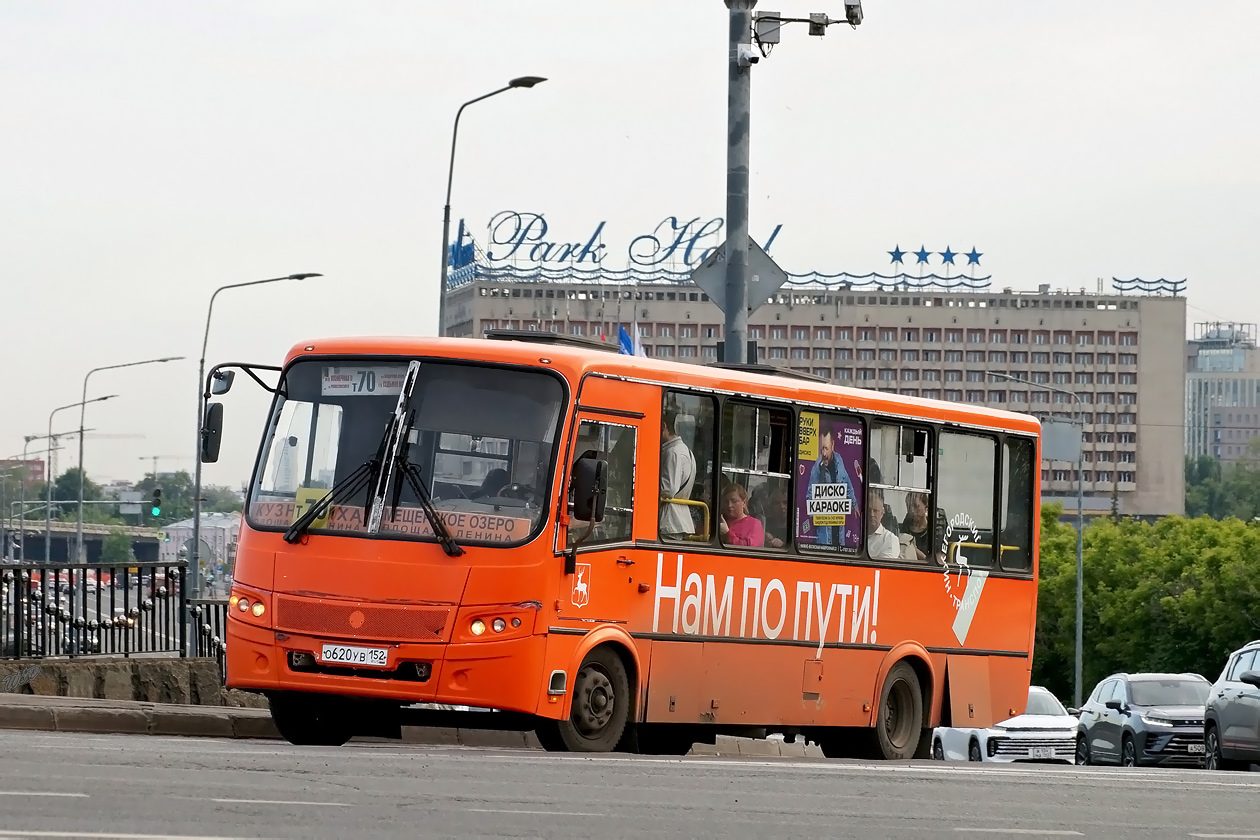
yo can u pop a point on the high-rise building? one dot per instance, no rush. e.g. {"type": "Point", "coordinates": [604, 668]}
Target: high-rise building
{"type": "Point", "coordinates": [1222, 391]}
{"type": "Point", "coordinates": [1118, 359]}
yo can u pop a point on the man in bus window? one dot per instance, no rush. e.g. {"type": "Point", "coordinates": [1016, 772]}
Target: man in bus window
{"type": "Point", "coordinates": [678, 476]}
{"type": "Point", "coordinates": [881, 544]}
{"type": "Point", "coordinates": [828, 470]}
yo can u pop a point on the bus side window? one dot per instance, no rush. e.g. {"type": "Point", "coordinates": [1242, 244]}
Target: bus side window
{"type": "Point", "coordinates": [615, 444]}
{"type": "Point", "coordinates": [1017, 496]}
{"type": "Point", "coordinates": [756, 470]}
{"type": "Point", "coordinates": [899, 470]}
{"type": "Point", "coordinates": [687, 511]}
{"type": "Point", "coordinates": [967, 469]}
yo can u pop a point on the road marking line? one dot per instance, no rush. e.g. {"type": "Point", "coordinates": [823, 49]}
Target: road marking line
{"type": "Point", "coordinates": [542, 813]}
{"type": "Point", "coordinates": [282, 802]}
{"type": "Point", "coordinates": [1228, 836]}
{"type": "Point", "coordinates": [105, 835]}
{"type": "Point", "coordinates": [1039, 831]}
{"type": "Point", "coordinates": [40, 793]}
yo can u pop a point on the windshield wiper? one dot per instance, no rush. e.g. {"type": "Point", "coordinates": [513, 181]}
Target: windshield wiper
{"type": "Point", "coordinates": [346, 488]}
{"type": "Point", "coordinates": [411, 473]}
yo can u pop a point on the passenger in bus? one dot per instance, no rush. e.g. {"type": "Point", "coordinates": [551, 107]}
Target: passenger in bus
{"type": "Point", "coordinates": [916, 524]}
{"type": "Point", "coordinates": [777, 518]}
{"type": "Point", "coordinates": [678, 476]}
{"type": "Point", "coordinates": [736, 526]}
{"type": "Point", "coordinates": [881, 544]}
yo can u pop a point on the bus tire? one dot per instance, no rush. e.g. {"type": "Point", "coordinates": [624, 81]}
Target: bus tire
{"type": "Point", "coordinates": [307, 721]}
{"type": "Point", "coordinates": [899, 718]}
{"type": "Point", "coordinates": [600, 709]}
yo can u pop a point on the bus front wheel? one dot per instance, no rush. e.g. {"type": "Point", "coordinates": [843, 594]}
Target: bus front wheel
{"type": "Point", "coordinates": [599, 711]}
{"type": "Point", "coordinates": [311, 721]}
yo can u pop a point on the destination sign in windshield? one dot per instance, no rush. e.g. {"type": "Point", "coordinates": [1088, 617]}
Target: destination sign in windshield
{"type": "Point", "coordinates": [363, 381]}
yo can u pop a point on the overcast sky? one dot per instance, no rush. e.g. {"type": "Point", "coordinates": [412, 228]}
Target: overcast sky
{"type": "Point", "coordinates": [153, 150]}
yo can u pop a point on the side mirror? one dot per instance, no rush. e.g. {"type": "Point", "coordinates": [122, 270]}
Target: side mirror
{"type": "Point", "coordinates": [1250, 678]}
{"type": "Point", "coordinates": [590, 489]}
{"type": "Point", "coordinates": [222, 382]}
{"type": "Point", "coordinates": [1074, 712]}
{"type": "Point", "coordinates": [211, 430]}
{"type": "Point", "coordinates": [1114, 705]}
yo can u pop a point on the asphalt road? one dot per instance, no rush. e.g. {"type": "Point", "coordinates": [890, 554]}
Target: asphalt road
{"type": "Point", "coordinates": [62, 785]}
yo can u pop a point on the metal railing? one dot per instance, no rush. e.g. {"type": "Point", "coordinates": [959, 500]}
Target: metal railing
{"type": "Point", "coordinates": [91, 609]}
{"type": "Point", "coordinates": [210, 640]}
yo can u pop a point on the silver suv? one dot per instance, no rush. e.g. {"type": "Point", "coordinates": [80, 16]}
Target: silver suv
{"type": "Point", "coordinates": [1231, 726]}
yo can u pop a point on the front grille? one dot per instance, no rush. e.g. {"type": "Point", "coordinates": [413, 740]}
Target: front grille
{"type": "Point", "coordinates": [1019, 747]}
{"type": "Point", "coordinates": [1174, 745]}
{"type": "Point", "coordinates": [362, 621]}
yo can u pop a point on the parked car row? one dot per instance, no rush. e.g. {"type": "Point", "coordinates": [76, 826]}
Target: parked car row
{"type": "Point", "coordinates": [1131, 720]}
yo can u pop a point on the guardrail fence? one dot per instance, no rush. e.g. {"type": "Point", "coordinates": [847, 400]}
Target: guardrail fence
{"type": "Point", "coordinates": [209, 617]}
{"type": "Point", "coordinates": [86, 609]}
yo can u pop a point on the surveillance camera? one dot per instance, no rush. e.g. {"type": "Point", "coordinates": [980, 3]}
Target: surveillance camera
{"type": "Point", "coordinates": [853, 11]}
{"type": "Point", "coordinates": [747, 55]}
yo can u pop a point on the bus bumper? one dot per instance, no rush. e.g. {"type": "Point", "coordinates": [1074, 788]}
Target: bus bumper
{"type": "Point", "coordinates": [503, 674]}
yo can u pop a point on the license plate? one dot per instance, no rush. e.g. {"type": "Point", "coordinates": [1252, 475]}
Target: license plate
{"type": "Point", "coordinates": [347, 655]}
{"type": "Point", "coordinates": [1194, 748]}
{"type": "Point", "coordinates": [1041, 752]}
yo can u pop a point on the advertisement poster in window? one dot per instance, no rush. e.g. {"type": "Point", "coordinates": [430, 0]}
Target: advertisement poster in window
{"type": "Point", "coordinates": [829, 483]}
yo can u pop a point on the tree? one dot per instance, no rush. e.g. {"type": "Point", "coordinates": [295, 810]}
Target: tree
{"type": "Point", "coordinates": [116, 550]}
{"type": "Point", "coordinates": [1177, 595]}
{"type": "Point", "coordinates": [218, 499]}
{"type": "Point", "coordinates": [1054, 656]}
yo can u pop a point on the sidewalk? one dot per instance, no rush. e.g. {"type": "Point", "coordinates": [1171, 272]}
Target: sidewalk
{"type": "Point", "coordinates": [130, 717]}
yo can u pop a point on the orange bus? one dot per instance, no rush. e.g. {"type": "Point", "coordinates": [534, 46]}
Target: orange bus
{"type": "Point", "coordinates": [624, 553]}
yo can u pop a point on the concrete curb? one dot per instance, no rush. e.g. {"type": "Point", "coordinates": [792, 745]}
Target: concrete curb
{"type": "Point", "coordinates": [131, 717]}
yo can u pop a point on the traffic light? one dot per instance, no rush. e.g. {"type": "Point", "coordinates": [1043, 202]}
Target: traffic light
{"type": "Point", "coordinates": [157, 501]}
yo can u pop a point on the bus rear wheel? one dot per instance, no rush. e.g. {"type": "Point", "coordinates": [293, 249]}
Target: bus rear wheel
{"type": "Point", "coordinates": [311, 721]}
{"type": "Point", "coordinates": [899, 721]}
{"type": "Point", "coordinates": [599, 711]}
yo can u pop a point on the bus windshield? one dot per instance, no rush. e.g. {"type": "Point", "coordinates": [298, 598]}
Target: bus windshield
{"type": "Point", "coordinates": [483, 439]}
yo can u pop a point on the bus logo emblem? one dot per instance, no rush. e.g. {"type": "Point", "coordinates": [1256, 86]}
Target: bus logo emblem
{"type": "Point", "coordinates": [581, 584]}
{"type": "Point", "coordinates": [962, 535]}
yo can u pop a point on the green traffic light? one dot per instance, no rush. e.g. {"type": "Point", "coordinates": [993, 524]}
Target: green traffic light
{"type": "Point", "coordinates": [157, 511]}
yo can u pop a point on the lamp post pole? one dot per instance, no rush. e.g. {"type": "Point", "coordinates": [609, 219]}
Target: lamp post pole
{"type": "Point", "coordinates": [520, 82]}
{"type": "Point", "coordinates": [201, 410]}
{"type": "Point", "coordinates": [51, 479]}
{"type": "Point", "coordinates": [78, 528]}
{"type": "Point", "coordinates": [1080, 526]}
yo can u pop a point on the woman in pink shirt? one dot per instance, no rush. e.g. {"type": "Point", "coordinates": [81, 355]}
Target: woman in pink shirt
{"type": "Point", "coordinates": [736, 526]}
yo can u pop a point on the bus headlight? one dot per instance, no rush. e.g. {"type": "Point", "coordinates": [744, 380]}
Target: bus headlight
{"type": "Point", "coordinates": [478, 627]}
{"type": "Point", "coordinates": [257, 609]}
{"type": "Point", "coordinates": [499, 625]}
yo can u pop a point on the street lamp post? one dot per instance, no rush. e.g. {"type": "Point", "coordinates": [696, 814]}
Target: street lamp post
{"type": "Point", "coordinates": [50, 479]}
{"type": "Point", "coordinates": [1080, 523]}
{"type": "Point", "coordinates": [201, 411]}
{"type": "Point", "coordinates": [520, 82]}
{"type": "Point", "coordinates": [78, 528]}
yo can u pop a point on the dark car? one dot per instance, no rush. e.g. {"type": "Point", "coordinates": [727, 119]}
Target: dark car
{"type": "Point", "coordinates": [1231, 728]}
{"type": "Point", "coordinates": [1136, 719]}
